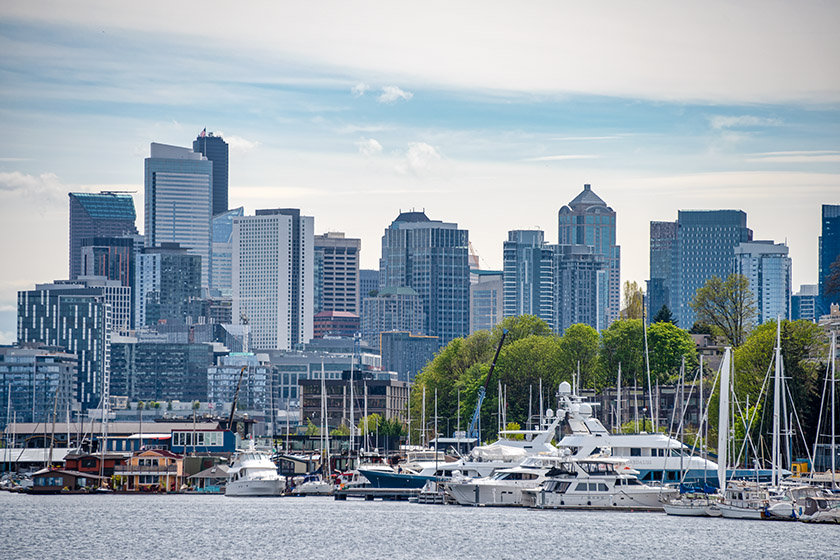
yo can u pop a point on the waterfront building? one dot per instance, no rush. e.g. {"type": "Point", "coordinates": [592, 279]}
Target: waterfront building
{"type": "Point", "coordinates": [258, 389]}
{"type": "Point", "coordinates": [157, 470]}
{"type": "Point", "coordinates": [179, 199]}
{"type": "Point", "coordinates": [35, 381]}
{"type": "Point", "coordinates": [393, 309]}
{"type": "Point", "coordinates": [663, 267]}
{"type": "Point", "coordinates": [588, 221]}
{"type": "Point", "coordinates": [407, 353]}
{"type": "Point", "coordinates": [431, 257]}
{"type": "Point", "coordinates": [705, 247]}
{"type": "Point", "coordinates": [767, 266]}
{"type": "Point", "coordinates": [104, 214]}
{"type": "Point", "coordinates": [335, 323]}
{"type": "Point", "coordinates": [386, 397]}
{"type": "Point", "coordinates": [168, 278]}
{"type": "Point", "coordinates": [221, 256]}
{"type": "Point", "coordinates": [581, 287]}
{"type": "Point", "coordinates": [273, 277]}
{"type": "Point", "coordinates": [368, 282]}
{"type": "Point", "coordinates": [215, 149]}
{"type": "Point", "coordinates": [528, 276]}
{"type": "Point", "coordinates": [486, 299]}
{"type": "Point", "coordinates": [804, 305]}
{"type": "Point", "coordinates": [77, 319]}
{"type": "Point", "coordinates": [160, 371]}
{"type": "Point", "coordinates": [829, 254]}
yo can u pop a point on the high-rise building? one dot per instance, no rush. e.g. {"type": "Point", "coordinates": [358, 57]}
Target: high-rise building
{"type": "Point", "coordinates": [215, 149]}
{"type": "Point", "coordinates": [706, 241]}
{"type": "Point", "coordinates": [273, 277]}
{"type": "Point", "coordinates": [106, 214]}
{"type": "Point", "coordinates": [258, 390]}
{"type": "Point", "coordinates": [767, 267]}
{"type": "Point", "coordinates": [486, 299]}
{"type": "Point", "coordinates": [392, 309]}
{"type": "Point", "coordinates": [34, 382]}
{"type": "Point", "coordinates": [337, 273]}
{"type": "Point", "coordinates": [406, 353]}
{"type": "Point", "coordinates": [803, 304]}
{"type": "Point", "coordinates": [179, 201]}
{"type": "Point", "coordinates": [663, 267]}
{"type": "Point", "coordinates": [368, 282]}
{"type": "Point", "coordinates": [111, 257]}
{"type": "Point", "coordinates": [528, 276]}
{"type": "Point", "coordinates": [829, 254]}
{"type": "Point", "coordinates": [221, 256]}
{"type": "Point", "coordinates": [335, 323]}
{"type": "Point", "coordinates": [581, 287]}
{"type": "Point", "coordinates": [77, 319]}
{"type": "Point", "coordinates": [430, 257]}
{"type": "Point", "coordinates": [168, 278]}
{"type": "Point", "coordinates": [588, 221]}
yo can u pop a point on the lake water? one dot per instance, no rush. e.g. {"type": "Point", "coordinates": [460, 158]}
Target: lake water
{"type": "Point", "coordinates": [215, 527]}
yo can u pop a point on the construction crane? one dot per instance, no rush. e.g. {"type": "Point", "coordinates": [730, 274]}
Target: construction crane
{"type": "Point", "coordinates": [236, 396]}
{"type": "Point", "coordinates": [473, 431]}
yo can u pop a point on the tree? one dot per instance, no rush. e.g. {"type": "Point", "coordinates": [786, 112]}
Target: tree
{"type": "Point", "coordinates": [340, 430]}
{"type": "Point", "coordinates": [623, 342]}
{"type": "Point", "coordinates": [311, 429]}
{"type": "Point", "coordinates": [667, 346]}
{"type": "Point", "coordinates": [728, 306]}
{"type": "Point", "coordinates": [392, 428]}
{"type": "Point", "coordinates": [579, 345]}
{"type": "Point", "coordinates": [369, 424]}
{"type": "Point", "coordinates": [633, 301]}
{"type": "Point", "coordinates": [699, 327]}
{"type": "Point", "coordinates": [832, 282]}
{"type": "Point", "coordinates": [664, 315]}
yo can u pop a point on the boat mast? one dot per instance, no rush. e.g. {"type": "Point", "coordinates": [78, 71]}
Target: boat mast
{"type": "Point", "coordinates": [618, 400]}
{"type": "Point", "coordinates": [723, 419]}
{"type": "Point", "coordinates": [702, 423]}
{"type": "Point", "coordinates": [777, 379]}
{"type": "Point", "coordinates": [833, 414]}
{"type": "Point", "coordinates": [654, 419]}
{"type": "Point", "coordinates": [352, 409]}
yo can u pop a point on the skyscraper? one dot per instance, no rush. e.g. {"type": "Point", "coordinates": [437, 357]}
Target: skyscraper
{"type": "Point", "coordinates": [221, 256]}
{"type": "Point", "coordinates": [706, 241]}
{"type": "Point", "coordinates": [368, 282]}
{"type": "Point", "coordinates": [661, 290]}
{"type": "Point", "coordinates": [168, 279]}
{"type": "Point", "coordinates": [215, 149]}
{"type": "Point", "coordinates": [486, 299]}
{"type": "Point", "coordinates": [337, 277]}
{"type": "Point", "coordinates": [581, 287]}
{"type": "Point", "coordinates": [803, 304]}
{"type": "Point", "coordinates": [829, 253]}
{"type": "Point", "coordinates": [273, 277]}
{"type": "Point", "coordinates": [588, 221]}
{"type": "Point", "coordinates": [432, 258]}
{"type": "Point", "coordinates": [393, 309]}
{"type": "Point", "coordinates": [179, 201]}
{"type": "Point", "coordinates": [528, 276]}
{"type": "Point", "coordinates": [767, 267]}
{"type": "Point", "coordinates": [105, 214]}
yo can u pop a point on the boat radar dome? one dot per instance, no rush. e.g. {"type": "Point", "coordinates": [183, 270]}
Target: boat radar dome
{"type": "Point", "coordinates": [549, 413]}
{"type": "Point", "coordinates": [565, 388]}
{"type": "Point", "coordinates": [585, 409]}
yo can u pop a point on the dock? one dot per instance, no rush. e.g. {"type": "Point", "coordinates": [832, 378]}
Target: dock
{"type": "Point", "coordinates": [369, 494]}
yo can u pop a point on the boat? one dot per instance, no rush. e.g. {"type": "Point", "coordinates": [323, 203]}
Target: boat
{"type": "Point", "coordinates": [595, 483]}
{"type": "Point", "coordinates": [313, 485]}
{"type": "Point", "coordinates": [254, 474]}
{"type": "Point", "coordinates": [695, 502]}
{"type": "Point", "coordinates": [745, 499]}
{"type": "Point", "coordinates": [821, 509]}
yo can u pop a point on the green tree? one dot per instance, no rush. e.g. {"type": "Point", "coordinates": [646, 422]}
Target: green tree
{"type": "Point", "coordinates": [579, 345]}
{"type": "Point", "coordinates": [664, 315]}
{"type": "Point", "coordinates": [623, 342]}
{"type": "Point", "coordinates": [392, 428]}
{"type": "Point", "coordinates": [667, 346]}
{"type": "Point", "coordinates": [340, 430]}
{"type": "Point", "coordinates": [633, 301]}
{"type": "Point", "coordinates": [728, 306]}
{"type": "Point", "coordinates": [699, 327]}
{"type": "Point", "coordinates": [311, 429]}
{"type": "Point", "coordinates": [512, 426]}
{"type": "Point", "coordinates": [196, 405]}
{"type": "Point", "coordinates": [369, 424]}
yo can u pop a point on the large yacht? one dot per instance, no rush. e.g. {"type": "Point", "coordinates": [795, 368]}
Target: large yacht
{"type": "Point", "coordinates": [656, 456]}
{"type": "Point", "coordinates": [595, 483]}
{"type": "Point", "coordinates": [254, 474]}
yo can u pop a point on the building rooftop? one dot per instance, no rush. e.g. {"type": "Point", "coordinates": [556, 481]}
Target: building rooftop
{"type": "Point", "coordinates": [587, 198]}
{"type": "Point", "coordinates": [107, 205]}
{"type": "Point", "coordinates": [412, 217]}
{"type": "Point", "coordinates": [336, 314]}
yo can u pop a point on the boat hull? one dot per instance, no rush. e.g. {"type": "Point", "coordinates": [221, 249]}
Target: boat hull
{"type": "Point", "coordinates": [735, 512]}
{"type": "Point", "coordinates": [649, 500]}
{"type": "Point", "coordinates": [380, 479]}
{"type": "Point", "coordinates": [254, 488]}
{"type": "Point", "coordinates": [471, 494]}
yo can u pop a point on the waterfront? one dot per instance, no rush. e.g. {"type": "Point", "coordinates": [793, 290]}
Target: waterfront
{"type": "Point", "coordinates": [195, 526]}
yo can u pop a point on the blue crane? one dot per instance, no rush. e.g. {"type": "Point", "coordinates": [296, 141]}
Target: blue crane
{"type": "Point", "coordinates": [473, 430]}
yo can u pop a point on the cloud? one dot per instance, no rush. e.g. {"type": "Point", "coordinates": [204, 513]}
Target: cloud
{"type": "Point", "coordinates": [359, 89]}
{"type": "Point", "coordinates": [564, 157]}
{"type": "Point", "coordinates": [723, 122]}
{"type": "Point", "coordinates": [369, 147]}
{"type": "Point", "coordinates": [390, 94]}
{"type": "Point", "coordinates": [8, 337]}
{"type": "Point", "coordinates": [812, 156]}
{"type": "Point", "coordinates": [419, 158]}
{"type": "Point", "coordinates": [45, 187]}
{"type": "Point", "coordinates": [239, 145]}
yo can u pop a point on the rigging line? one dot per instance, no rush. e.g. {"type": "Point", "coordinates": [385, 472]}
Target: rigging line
{"type": "Point", "coordinates": [822, 399]}
{"type": "Point", "coordinates": [799, 424]}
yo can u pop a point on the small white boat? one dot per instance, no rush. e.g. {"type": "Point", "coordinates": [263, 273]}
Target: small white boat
{"type": "Point", "coordinates": [313, 485]}
{"type": "Point", "coordinates": [745, 499]}
{"type": "Point", "coordinates": [694, 505]}
{"type": "Point", "coordinates": [821, 509]}
{"type": "Point", "coordinates": [254, 474]}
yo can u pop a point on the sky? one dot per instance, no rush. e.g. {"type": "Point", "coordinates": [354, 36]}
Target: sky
{"type": "Point", "coordinates": [489, 114]}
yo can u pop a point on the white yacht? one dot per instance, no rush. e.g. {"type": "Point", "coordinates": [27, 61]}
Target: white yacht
{"type": "Point", "coordinates": [744, 499]}
{"type": "Point", "coordinates": [254, 474]}
{"type": "Point", "coordinates": [313, 485]}
{"type": "Point", "coordinates": [595, 483]}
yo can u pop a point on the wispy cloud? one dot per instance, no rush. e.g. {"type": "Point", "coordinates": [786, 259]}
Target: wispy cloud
{"type": "Point", "coordinates": [359, 89]}
{"type": "Point", "coordinates": [390, 94]}
{"type": "Point", "coordinates": [239, 145]}
{"type": "Point", "coordinates": [419, 158]}
{"type": "Point", "coordinates": [584, 138]}
{"type": "Point", "coordinates": [45, 188]}
{"type": "Point", "coordinates": [813, 156]}
{"type": "Point", "coordinates": [563, 157]}
{"type": "Point", "coordinates": [369, 147]}
{"type": "Point", "coordinates": [723, 122]}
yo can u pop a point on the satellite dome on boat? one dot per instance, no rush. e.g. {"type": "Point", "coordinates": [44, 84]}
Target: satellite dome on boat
{"type": "Point", "coordinates": [585, 409]}
{"type": "Point", "coordinates": [565, 388]}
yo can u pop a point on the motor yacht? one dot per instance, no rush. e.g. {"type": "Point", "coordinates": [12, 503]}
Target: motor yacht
{"type": "Point", "coordinates": [254, 474]}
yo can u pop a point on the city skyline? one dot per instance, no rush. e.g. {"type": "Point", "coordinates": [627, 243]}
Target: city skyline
{"type": "Point", "coordinates": [464, 122]}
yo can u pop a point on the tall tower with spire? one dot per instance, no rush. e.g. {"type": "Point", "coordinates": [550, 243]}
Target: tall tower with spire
{"type": "Point", "coordinates": [588, 221]}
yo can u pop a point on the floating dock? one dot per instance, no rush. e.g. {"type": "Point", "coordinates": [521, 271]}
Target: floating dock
{"type": "Point", "coordinates": [369, 494]}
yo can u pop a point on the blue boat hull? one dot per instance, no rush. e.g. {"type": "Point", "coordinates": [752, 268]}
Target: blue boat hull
{"type": "Point", "coordinates": [379, 479]}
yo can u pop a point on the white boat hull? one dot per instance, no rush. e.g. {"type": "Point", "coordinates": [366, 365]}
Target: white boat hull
{"type": "Point", "coordinates": [645, 499]}
{"type": "Point", "coordinates": [313, 489]}
{"type": "Point", "coordinates": [735, 512]}
{"type": "Point", "coordinates": [686, 510]}
{"type": "Point", "coordinates": [265, 487]}
{"type": "Point", "coordinates": [471, 494]}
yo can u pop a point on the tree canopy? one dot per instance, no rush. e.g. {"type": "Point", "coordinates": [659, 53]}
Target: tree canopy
{"type": "Point", "coordinates": [728, 306]}
{"type": "Point", "coordinates": [664, 315]}
{"type": "Point", "coordinates": [633, 301]}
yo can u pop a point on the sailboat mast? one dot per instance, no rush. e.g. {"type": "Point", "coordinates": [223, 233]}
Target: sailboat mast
{"type": "Point", "coordinates": [352, 408]}
{"type": "Point", "coordinates": [777, 379]}
{"type": "Point", "coordinates": [618, 399]}
{"type": "Point", "coordinates": [833, 414]}
{"type": "Point", "coordinates": [723, 419]}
